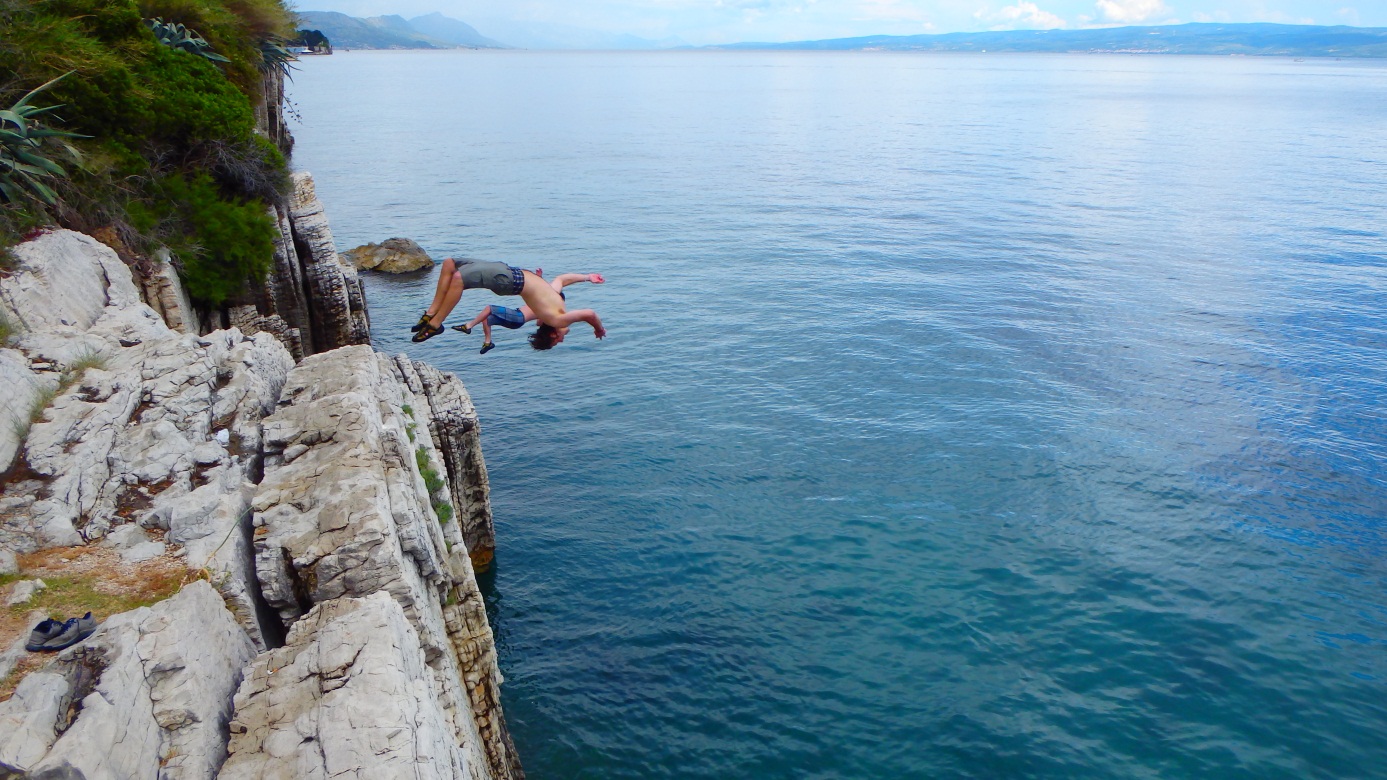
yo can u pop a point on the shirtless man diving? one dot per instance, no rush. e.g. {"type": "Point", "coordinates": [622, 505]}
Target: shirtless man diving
{"type": "Point", "coordinates": [516, 318]}
{"type": "Point", "coordinates": [541, 298]}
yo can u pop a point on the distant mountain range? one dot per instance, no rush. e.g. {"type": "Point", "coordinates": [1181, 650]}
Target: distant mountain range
{"type": "Point", "coordinates": [1287, 40]}
{"type": "Point", "coordinates": [436, 31]}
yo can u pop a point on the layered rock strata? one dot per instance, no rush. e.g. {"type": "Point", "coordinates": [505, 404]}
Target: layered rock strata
{"type": "Point", "coordinates": [455, 429]}
{"type": "Point", "coordinates": [335, 308]}
{"type": "Point", "coordinates": [346, 509]}
{"type": "Point", "coordinates": [353, 684]}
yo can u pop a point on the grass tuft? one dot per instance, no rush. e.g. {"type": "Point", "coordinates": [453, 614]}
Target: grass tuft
{"type": "Point", "coordinates": [81, 579]}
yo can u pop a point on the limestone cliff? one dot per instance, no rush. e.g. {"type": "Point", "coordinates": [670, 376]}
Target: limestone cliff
{"type": "Point", "coordinates": [328, 513]}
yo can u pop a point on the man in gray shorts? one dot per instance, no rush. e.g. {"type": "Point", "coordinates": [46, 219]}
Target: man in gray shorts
{"type": "Point", "coordinates": [541, 298]}
{"type": "Point", "coordinates": [515, 318]}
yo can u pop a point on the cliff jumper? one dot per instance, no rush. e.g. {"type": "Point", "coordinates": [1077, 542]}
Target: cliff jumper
{"type": "Point", "coordinates": [514, 319]}
{"type": "Point", "coordinates": [542, 298]}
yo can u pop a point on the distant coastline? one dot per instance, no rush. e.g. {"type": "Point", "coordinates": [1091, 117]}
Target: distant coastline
{"type": "Point", "coordinates": [1252, 39]}
{"type": "Point", "coordinates": [436, 31]}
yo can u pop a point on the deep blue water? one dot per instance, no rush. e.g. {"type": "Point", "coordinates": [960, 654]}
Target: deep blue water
{"type": "Point", "coordinates": [962, 416]}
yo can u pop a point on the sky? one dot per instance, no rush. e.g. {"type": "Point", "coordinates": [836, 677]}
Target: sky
{"type": "Point", "coordinates": [702, 22]}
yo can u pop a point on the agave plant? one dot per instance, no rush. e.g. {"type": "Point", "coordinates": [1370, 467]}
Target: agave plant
{"type": "Point", "coordinates": [25, 161]}
{"type": "Point", "coordinates": [275, 56]}
{"type": "Point", "coordinates": [176, 36]}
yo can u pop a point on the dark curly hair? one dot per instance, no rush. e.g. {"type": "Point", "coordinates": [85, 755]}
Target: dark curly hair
{"type": "Point", "coordinates": [544, 337]}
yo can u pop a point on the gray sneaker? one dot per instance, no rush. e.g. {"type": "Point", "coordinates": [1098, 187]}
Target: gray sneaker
{"type": "Point", "coordinates": [74, 631]}
{"type": "Point", "coordinates": [43, 632]}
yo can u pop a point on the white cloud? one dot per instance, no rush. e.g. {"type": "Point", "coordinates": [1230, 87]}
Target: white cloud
{"type": "Point", "coordinates": [889, 10]}
{"type": "Point", "coordinates": [1024, 14]}
{"type": "Point", "coordinates": [1131, 11]}
{"type": "Point", "coordinates": [1350, 16]}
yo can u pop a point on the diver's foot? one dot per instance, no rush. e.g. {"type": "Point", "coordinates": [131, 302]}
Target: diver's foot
{"type": "Point", "coordinates": [463, 328]}
{"type": "Point", "coordinates": [487, 347]}
{"type": "Point", "coordinates": [427, 333]}
{"type": "Point", "coordinates": [418, 326]}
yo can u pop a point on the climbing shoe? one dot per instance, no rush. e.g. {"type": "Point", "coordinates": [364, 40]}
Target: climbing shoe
{"type": "Point", "coordinates": [427, 332]}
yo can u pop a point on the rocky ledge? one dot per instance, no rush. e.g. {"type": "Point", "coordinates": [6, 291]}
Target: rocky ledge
{"type": "Point", "coordinates": [329, 515]}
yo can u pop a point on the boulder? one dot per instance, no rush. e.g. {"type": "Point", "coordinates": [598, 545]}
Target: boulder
{"type": "Point", "coordinates": [23, 591]}
{"type": "Point", "coordinates": [391, 256]}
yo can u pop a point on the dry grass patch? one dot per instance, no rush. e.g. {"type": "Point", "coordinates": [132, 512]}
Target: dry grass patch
{"type": "Point", "coordinates": [82, 579]}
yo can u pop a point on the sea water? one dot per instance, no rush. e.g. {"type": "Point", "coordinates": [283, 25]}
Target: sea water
{"type": "Point", "coordinates": [960, 416]}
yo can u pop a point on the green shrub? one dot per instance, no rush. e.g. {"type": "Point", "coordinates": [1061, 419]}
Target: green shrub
{"type": "Point", "coordinates": [87, 360]}
{"type": "Point", "coordinates": [432, 480]}
{"type": "Point", "coordinates": [444, 510]}
{"type": "Point", "coordinates": [220, 242]}
{"type": "Point", "coordinates": [108, 21]}
{"type": "Point", "coordinates": [189, 101]}
{"type": "Point", "coordinates": [173, 159]}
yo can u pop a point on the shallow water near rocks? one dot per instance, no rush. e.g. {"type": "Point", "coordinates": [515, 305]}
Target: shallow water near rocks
{"type": "Point", "coordinates": [961, 416]}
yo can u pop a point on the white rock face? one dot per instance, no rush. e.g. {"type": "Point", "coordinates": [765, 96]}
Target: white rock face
{"type": "Point", "coordinates": [8, 563]}
{"type": "Point", "coordinates": [65, 281]}
{"type": "Point", "coordinates": [22, 387]}
{"type": "Point", "coordinates": [154, 688]}
{"type": "Point", "coordinates": [164, 428]}
{"type": "Point", "coordinates": [349, 696]}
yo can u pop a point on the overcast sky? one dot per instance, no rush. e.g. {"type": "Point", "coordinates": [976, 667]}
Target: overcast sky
{"type": "Point", "coordinates": [729, 21]}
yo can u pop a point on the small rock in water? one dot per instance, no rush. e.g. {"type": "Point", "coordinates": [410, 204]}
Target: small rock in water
{"type": "Point", "coordinates": [392, 256]}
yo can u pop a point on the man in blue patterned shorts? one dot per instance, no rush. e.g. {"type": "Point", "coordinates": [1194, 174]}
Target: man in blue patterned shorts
{"type": "Point", "coordinates": [516, 318]}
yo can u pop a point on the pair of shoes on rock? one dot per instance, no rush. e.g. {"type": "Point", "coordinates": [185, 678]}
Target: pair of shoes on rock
{"type": "Point", "coordinates": [50, 635]}
{"type": "Point", "coordinates": [421, 324]}
{"type": "Point", "coordinates": [427, 332]}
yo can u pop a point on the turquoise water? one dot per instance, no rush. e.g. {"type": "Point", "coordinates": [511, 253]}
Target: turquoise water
{"type": "Point", "coordinates": [961, 416]}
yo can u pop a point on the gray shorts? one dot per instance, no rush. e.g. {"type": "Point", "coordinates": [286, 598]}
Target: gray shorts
{"type": "Point", "coordinates": [496, 277]}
